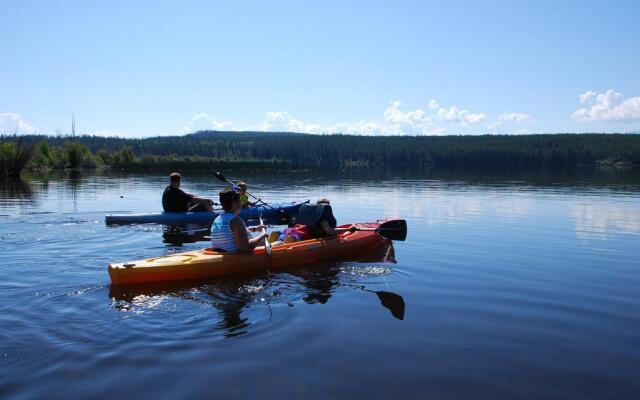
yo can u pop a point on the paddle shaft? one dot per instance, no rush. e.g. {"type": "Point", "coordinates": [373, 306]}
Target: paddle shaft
{"type": "Point", "coordinates": [377, 229]}
{"type": "Point", "coordinates": [223, 178]}
{"type": "Point", "coordinates": [267, 244]}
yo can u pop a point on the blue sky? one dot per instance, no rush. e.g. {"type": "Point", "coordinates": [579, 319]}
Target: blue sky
{"type": "Point", "coordinates": [151, 68]}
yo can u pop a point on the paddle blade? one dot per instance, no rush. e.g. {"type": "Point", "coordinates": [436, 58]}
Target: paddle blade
{"type": "Point", "coordinates": [267, 244]}
{"type": "Point", "coordinates": [394, 302]}
{"type": "Point", "coordinates": [395, 229]}
{"type": "Point", "coordinates": [220, 176]}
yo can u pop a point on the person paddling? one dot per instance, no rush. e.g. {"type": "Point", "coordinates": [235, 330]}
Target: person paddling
{"type": "Point", "coordinates": [176, 200]}
{"type": "Point", "coordinates": [228, 232]}
{"type": "Point", "coordinates": [241, 188]}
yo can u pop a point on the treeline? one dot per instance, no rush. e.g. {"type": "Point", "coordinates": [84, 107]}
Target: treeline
{"type": "Point", "coordinates": [18, 153]}
{"type": "Point", "coordinates": [305, 150]}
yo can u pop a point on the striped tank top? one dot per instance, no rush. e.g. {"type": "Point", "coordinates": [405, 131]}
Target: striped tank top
{"type": "Point", "coordinates": [221, 235]}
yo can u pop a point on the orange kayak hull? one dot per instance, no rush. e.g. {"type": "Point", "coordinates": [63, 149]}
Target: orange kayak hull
{"type": "Point", "coordinates": [207, 263]}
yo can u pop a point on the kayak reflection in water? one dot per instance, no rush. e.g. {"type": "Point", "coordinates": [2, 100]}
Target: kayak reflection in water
{"type": "Point", "coordinates": [313, 222]}
{"type": "Point", "coordinates": [229, 232]}
{"type": "Point", "coordinates": [176, 200]}
{"type": "Point", "coordinates": [232, 296]}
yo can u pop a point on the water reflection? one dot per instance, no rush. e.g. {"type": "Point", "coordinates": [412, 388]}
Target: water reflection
{"type": "Point", "coordinates": [232, 296]}
{"type": "Point", "coordinates": [16, 190]}
{"type": "Point", "coordinates": [603, 221]}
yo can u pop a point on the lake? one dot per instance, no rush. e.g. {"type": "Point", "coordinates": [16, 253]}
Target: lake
{"type": "Point", "coordinates": [515, 285]}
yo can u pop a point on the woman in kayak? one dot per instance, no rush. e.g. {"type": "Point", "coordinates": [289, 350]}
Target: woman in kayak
{"type": "Point", "coordinates": [175, 200]}
{"type": "Point", "coordinates": [228, 232]}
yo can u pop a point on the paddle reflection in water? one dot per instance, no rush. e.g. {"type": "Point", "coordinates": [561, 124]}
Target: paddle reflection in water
{"type": "Point", "coordinates": [230, 296]}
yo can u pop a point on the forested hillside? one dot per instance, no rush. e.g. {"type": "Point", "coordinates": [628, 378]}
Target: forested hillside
{"type": "Point", "coordinates": [305, 150]}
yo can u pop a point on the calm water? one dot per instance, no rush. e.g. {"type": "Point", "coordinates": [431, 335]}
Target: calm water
{"type": "Point", "coordinates": [520, 287]}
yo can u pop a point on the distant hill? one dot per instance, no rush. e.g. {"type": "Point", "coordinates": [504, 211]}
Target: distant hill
{"type": "Point", "coordinates": [308, 150]}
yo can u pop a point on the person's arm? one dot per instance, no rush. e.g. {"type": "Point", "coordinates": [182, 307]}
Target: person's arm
{"type": "Point", "coordinates": [241, 236]}
{"type": "Point", "coordinates": [191, 199]}
{"type": "Point", "coordinates": [201, 200]}
{"type": "Point", "coordinates": [333, 231]}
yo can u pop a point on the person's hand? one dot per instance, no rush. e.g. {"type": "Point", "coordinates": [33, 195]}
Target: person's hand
{"type": "Point", "coordinates": [353, 229]}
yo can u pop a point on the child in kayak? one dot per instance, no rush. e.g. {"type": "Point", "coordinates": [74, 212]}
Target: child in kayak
{"type": "Point", "coordinates": [241, 188]}
{"type": "Point", "coordinates": [229, 232]}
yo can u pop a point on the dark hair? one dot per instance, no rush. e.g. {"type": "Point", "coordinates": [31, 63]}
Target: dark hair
{"type": "Point", "coordinates": [227, 197]}
{"type": "Point", "coordinates": [175, 177]}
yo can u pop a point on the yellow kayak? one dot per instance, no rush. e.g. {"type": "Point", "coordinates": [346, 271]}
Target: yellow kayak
{"type": "Point", "coordinates": [209, 263]}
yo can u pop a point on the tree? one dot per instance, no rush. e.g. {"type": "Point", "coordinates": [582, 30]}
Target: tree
{"type": "Point", "coordinates": [74, 154]}
{"type": "Point", "coordinates": [104, 156]}
{"type": "Point", "coordinates": [126, 154]}
{"type": "Point", "coordinates": [14, 157]}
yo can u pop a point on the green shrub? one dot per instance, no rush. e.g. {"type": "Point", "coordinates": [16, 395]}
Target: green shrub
{"type": "Point", "coordinates": [14, 157]}
{"type": "Point", "coordinates": [74, 154]}
{"type": "Point", "coordinates": [126, 154]}
{"type": "Point", "coordinates": [104, 157]}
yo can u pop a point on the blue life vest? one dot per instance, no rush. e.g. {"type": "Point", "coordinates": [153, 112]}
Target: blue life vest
{"type": "Point", "coordinates": [221, 234]}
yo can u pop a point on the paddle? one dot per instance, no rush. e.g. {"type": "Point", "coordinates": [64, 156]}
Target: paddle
{"type": "Point", "coordinates": [267, 244]}
{"type": "Point", "coordinates": [395, 229]}
{"type": "Point", "coordinates": [224, 179]}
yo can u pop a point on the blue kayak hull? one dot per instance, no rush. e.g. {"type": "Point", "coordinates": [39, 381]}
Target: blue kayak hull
{"type": "Point", "coordinates": [270, 215]}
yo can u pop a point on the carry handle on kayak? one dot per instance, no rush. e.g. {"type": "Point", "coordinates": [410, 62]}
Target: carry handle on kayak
{"type": "Point", "coordinates": [395, 229]}
{"type": "Point", "coordinates": [279, 211]}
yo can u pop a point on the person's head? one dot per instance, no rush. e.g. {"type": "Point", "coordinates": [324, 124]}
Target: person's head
{"type": "Point", "coordinates": [174, 179]}
{"type": "Point", "coordinates": [243, 187]}
{"type": "Point", "coordinates": [323, 200]}
{"type": "Point", "coordinates": [230, 200]}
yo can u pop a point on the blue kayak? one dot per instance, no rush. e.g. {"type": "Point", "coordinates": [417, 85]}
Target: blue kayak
{"type": "Point", "coordinates": [270, 215]}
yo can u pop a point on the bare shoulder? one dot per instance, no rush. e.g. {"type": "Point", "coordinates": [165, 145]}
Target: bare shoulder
{"type": "Point", "coordinates": [237, 223]}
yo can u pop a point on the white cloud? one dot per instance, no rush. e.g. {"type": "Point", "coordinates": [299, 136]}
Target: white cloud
{"type": "Point", "coordinates": [280, 121]}
{"type": "Point", "coordinates": [513, 117]}
{"type": "Point", "coordinates": [610, 106]}
{"type": "Point", "coordinates": [394, 122]}
{"type": "Point", "coordinates": [108, 133]}
{"type": "Point", "coordinates": [203, 122]}
{"type": "Point", "coordinates": [11, 123]}
{"type": "Point", "coordinates": [454, 114]}
{"type": "Point", "coordinates": [586, 96]}
{"type": "Point", "coordinates": [394, 116]}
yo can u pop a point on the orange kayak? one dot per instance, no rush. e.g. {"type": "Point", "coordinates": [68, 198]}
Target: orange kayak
{"type": "Point", "coordinates": [207, 263]}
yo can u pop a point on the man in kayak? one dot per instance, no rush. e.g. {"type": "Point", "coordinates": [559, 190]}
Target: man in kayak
{"type": "Point", "coordinates": [228, 232]}
{"type": "Point", "coordinates": [313, 222]}
{"type": "Point", "coordinates": [175, 200]}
